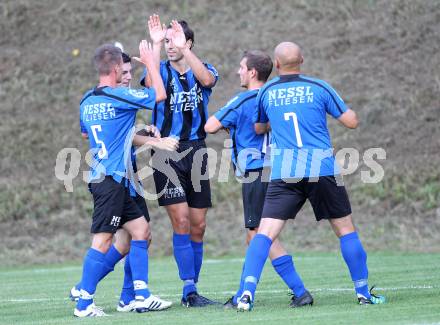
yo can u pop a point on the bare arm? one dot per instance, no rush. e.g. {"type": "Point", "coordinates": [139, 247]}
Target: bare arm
{"type": "Point", "coordinates": [349, 119]}
{"type": "Point", "coordinates": [146, 57]}
{"type": "Point", "coordinates": [261, 128]}
{"type": "Point", "coordinates": [202, 74]}
{"type": "Point", "coordinates": [213, 125]}
{"type": "Point", "coordinates": [168, 144]}
{"type": "Point", "coordinates": [85, 135]}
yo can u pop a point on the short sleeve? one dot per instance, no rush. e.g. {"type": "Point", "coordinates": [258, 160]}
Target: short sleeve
{"type": "Point", "coordinates": [213, 71]}
{"type": "Point", "coordinates": [228, 115]}
{"type": "Point", "coordinates": [334, 105]}
{"type": "Point", "coordinates": [259, 113]}
{"type": "Point", "coordinates": [82, 126]}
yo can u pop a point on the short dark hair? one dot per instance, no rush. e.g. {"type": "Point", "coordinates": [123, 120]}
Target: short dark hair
{"type": "Point", "coordinates": [106, 57]}
{"type": "Point", "coordinates": [189, 33]}
{"type": "Point", "coordinates": [126, 58]}
{"type": "Point", "coordinates": [259, 61]}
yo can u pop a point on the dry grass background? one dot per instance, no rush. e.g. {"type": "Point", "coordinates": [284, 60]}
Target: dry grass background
{"type": "Point", "coordinates": [382, 56]}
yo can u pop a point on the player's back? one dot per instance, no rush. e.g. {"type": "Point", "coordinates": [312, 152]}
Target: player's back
{"type": "Point", "coordinates": [108, 115]}
{"type": "Point", "coordinates": [247, 147]}
{"type": "Point", "coordinates": [296, 107]}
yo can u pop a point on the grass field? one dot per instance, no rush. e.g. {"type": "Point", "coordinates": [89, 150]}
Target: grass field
{"type": "Point", "coordinates": [411, 283]}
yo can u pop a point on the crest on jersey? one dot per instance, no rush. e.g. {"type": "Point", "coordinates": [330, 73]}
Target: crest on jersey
{"type": "Point", "coordinates": [174, 85]}
{"type": "Point", "coordinates": [138, 93]}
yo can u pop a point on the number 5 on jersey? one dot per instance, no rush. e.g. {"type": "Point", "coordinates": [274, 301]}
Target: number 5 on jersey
{"type": "Point", "coordinates": [292, 115]}
{"type": "Point", "coordinates": [103, 151]}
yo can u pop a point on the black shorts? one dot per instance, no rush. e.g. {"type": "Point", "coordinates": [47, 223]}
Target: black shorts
{"type": "Point", "coordinates": [253, 200]}
{"type": "Point", "coordinates": [142, 205]}
{"type": "Point", "coordinates": [113, 206]}
{"type": "Point", "coordinates": [186, 165]}
{"type": "Point", "coordinates": [328, 199]}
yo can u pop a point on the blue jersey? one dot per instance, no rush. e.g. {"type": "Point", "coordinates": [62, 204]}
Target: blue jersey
{"type": "Point", "coordinates": [296, 107]}
{"type": "Point", "coordinates": [247, 146]}
{"type": "Point", "coordinates": [107, 115]}
{"type": "Point", "coordinates": [183, 114]}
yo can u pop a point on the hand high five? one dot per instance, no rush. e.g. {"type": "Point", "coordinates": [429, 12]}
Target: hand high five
{"type": "Point", "coordinates": [178, 36]}
{"type": "Point", "coordinates": [145, 53]}
{"type": "Point", "coordinates": [156, 29]}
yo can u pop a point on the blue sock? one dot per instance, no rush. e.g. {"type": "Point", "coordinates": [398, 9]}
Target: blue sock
{"type": "Point", "coordinates": [93, 267]}
{"type": "Point", "coordinates": [256, 256]}
{"type": "Point", "coordinates": [283, 265]}
{"type": "Point", "coordinates": [184, 255]}
{"type": "Point", "coordinates": [240, 290]}
{"type": "Point", "coordinates": [198, 258]}
{"type": "Point", "coordinates": [138, 258]}
{"type": "Point", "coordinates": [112, 257]}
{"type": "Point", "coordinates": [127, 293]}
{"type": "Point", "coordinates": [356, 259]}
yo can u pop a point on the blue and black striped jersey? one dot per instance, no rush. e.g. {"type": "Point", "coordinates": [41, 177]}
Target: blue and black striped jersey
{"type": "Point", "coordinates": [183, 114]}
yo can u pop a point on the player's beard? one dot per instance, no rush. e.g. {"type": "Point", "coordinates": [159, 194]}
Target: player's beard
{"type": "Point", "coordinates": [176, 58]}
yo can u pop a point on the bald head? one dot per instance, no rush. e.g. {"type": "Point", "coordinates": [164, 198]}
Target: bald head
{"type": "Point", "coordinates": [288, 57]}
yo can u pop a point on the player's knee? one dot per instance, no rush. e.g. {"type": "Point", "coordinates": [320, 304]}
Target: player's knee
{"type": "Point", "coordinates": [198, 229]}
{"type": "Point", "coordinates": [102, 243]}
{"type": "Point", "coordinates": [141, 234]}
{"type": "Point", "coordinates": [181, 224]}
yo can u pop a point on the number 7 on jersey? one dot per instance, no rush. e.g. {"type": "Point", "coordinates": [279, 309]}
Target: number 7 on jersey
{"type": "Point", "coordinates": [292, 115]}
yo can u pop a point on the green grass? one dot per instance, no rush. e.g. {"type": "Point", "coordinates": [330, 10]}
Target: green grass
{"type": "Point", "coordinates": [38, 295]}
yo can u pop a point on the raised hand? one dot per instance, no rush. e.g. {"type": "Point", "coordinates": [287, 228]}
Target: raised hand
{"type": "Point", "coordinates": [156, 29]}
{"type": "Point", "coordinates": [145, 53]}
{"type": "Point", "coordinates": [178, 36]}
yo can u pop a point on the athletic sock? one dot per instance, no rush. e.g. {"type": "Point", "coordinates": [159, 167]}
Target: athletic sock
{"type": "Point", "coordinates": [138, 258]}
{"type": "Point", "coordinates": [256, 256]}
{"type": "Point", "coordinates": [356, 259]}
{"type": "Point", "coordinates": [184, 255]}
{"type": "Point", "coordinates": [285, 268]}
{"type": "Point", "coordinates": [112, 257]}
{"type": "Point", "coordinates": [240, 289]}
{"type": "Point", "coordinates": [127, 293]}
{"type": "Point", "coordinates": [198, 258]}
{"type": "Point", "coordinates": [93, 267]}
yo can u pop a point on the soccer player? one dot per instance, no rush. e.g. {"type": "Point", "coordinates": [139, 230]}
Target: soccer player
{"type": "Point", "coordinates": [303, 167]}
{"type": "Point", "coordinates": [189, 84]}
{"type": "Point", "coordinates": [108, 114]}
{"type": "Point", "coordinates": [248, 157]}
{"type": "Point", "coordinates": [121, 245]}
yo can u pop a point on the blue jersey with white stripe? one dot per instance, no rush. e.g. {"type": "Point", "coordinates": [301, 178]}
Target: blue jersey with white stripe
{"type": "Point", "coordinates": [296, 107]}
{"type": "Point", "coordinates": [107, 115]}
{"type": "Point", "coordinates": [183, 114]}
{"type": "Point", "coordinates": [247, 146]}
